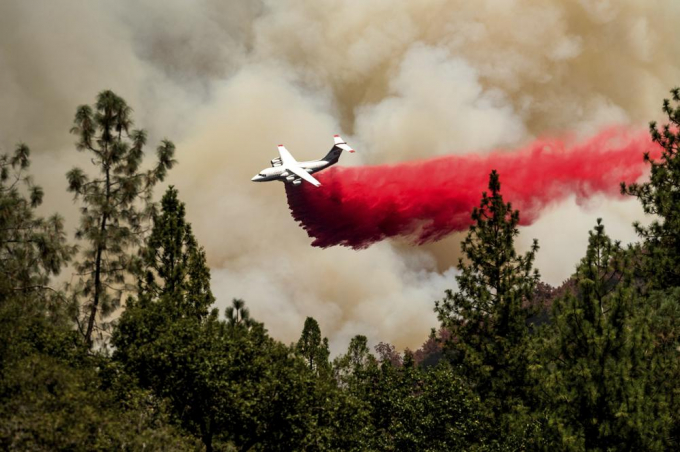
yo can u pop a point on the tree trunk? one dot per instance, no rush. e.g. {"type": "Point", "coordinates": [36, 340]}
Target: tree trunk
{"type": "Point", "coordinates": [98, 264]}
{"type": "Point", "coordinates": [207, 441]}
{"type": "Point", "coordinates": [97, 287]}
{"type": "Point", "coordinates": [206, 436]}
{"type": "Point", "coordinates": [248, 445]}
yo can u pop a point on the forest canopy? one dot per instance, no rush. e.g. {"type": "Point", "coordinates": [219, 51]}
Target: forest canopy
{"type": "Point", "coordinates": [513, 364]}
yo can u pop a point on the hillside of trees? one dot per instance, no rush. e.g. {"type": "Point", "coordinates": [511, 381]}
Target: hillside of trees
{"type": "Point", "coordinates": [514, 364]}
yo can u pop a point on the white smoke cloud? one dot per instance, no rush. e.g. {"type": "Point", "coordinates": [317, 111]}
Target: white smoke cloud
{"type": "Point", "coordinates": [402, 80]}
{"type": "Point", "coordinates": [436, 103]}
{"type": "Point", "coordinates": [562, 232]}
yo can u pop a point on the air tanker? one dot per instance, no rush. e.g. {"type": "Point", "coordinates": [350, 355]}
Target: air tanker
{"type": "Point", "coordinates": [286, 169]}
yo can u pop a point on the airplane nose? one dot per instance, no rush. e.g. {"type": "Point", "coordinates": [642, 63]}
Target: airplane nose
{"type": "Point", "coordinates": [256, 178]}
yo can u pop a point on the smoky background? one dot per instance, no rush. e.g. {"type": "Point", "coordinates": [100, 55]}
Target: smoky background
{"type": "Point", "coordinates": [400, 80]}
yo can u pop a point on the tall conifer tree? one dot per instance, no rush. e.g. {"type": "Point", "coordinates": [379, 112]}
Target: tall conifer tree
{"type": "Point", "coordinates": [659, 252]}
{"type": "Point", "coordinates": [116, 202]}
{"type": "Point", "coordinates": [32, 248]}
{"type": "Point", "coordinates": [166, 336]}
{"type": "Point", "coordinates": [312, 348]}
{"type": "Point", "coordinates": [488, 315]}
{"type": "Point", "coordinates": [600, 365]}
{"type": "Point", "coordinates": [173, 287]}
{"type": "Point", "coordinates": [174, 266]}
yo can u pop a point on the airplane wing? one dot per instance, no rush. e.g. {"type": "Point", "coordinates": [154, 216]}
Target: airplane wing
{"type": "Point", "coordinates": [286, 158]}
{"type": "Point", "coordinates": [303, 174]}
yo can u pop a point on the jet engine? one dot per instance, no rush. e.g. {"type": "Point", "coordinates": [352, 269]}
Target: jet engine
{"type": "Point", "coordinates": [290, 178]}
{"type": "Point", "coordinates": [276, 161]}
{"type": "Point", "coordinates": [297, 182]}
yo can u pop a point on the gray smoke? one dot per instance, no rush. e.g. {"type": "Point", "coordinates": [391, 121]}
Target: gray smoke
{"type": "Point", "coordinates": [227, 81]}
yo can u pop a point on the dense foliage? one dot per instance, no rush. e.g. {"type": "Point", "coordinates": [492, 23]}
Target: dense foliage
{"type": "Point", "coordinates": [488, 317]}
{"type": "Point", "coordinates": [513, 365]}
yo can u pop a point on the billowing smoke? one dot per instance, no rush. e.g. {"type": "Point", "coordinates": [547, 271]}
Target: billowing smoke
{"type": "Point", "coordinates": [425, 201]}
{"type": "Point", "coordinates": [401, 80]}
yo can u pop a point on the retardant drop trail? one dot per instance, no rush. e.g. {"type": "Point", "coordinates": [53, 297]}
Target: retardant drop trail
{"type": "Point", "coordinates": [426, 200]}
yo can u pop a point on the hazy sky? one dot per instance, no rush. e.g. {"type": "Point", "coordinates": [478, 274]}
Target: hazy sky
{"type": "Point", "coordinates": [399, 79]}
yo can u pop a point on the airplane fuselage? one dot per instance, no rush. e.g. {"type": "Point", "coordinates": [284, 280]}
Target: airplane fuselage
{"type": "Point", "coordinates": [286, 169]}
{"type": "Point", "coordinates": [281, 173]}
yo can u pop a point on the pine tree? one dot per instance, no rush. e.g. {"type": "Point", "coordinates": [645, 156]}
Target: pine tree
{"type": "Point", "coordinates": [599, 386]}
{"type": "Point", "coordinates": [349, 369]}
{"type": "Point", "coordinates": [488, 315]}
{"type": "Point", "coordinates": [166, 337]}
{"type": "Point", "coordinates": [175, 269]}
{"type": "Point", "coordinates": [659, 252]}
{"type": "Point", "coordinates": [53, 394]}
{"type": "Point", "coordinates": [662, 310]}
{"type": "Point", "coordinates": [312, 348]}
{"type": "Point", "coordinates": [237, 315]}
{"type": "Point", "coordinates": [225, 380]}
{"type": "Point", "coordinates": [657, 257]}
{"type": "Point", "coordinates": [116, 202]}
{"type": "Point", "coordinates": [416, 408]}
{"type": "Point", "coordinates": [32, 248]}
{"type": "Point", "coordinates": [173, 289]}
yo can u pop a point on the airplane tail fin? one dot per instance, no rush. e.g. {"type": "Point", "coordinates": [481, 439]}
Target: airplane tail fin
{"type": "Point", "coordinates": [340, 143]}
{"type": "Point", "coordinates": [334, 155]}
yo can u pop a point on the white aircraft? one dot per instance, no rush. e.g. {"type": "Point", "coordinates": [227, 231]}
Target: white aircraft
{"type": "Point", "coordinates": [285, 168]}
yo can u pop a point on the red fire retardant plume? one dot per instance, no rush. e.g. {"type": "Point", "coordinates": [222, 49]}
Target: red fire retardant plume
{"type": "Point", "coordinates": [424, 201]}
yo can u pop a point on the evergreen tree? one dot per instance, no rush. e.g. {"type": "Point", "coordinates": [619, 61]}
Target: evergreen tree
{"type": "Point", "coordinates": [227, 382]}
{"type": "Point", "coordinates": [599, 386]}
{"type": "Point", "coordinates": [415, 408]}
{"type": "Point", "coordinates": [116, 202]}
{"type": "Point", "coordinates": [657, 257]}
{"type": "Point", "coordinates": [162, 332]}
{"type": "Point", "coordinates": [175, 269]}
{"type": "Point", "coordinates": [662, 310]}
{"type": "Point", "coordinates": [265, 395]}
{"type": "Point", "coordinates": [659, 252]}
{"type": "Point", "coordinates": [53, 394]}
{"type": "Point", "coordinates": [355, 373]}
{"type": "Point", "coordinates": [349, 369]}
{"type": "Point", "coordinates": [312, 348]}
{"type": "Point", "coordinates": [48, 403]}
{"type": "Point", "coordinates": [32, 248]}
{"type": "Point", "coordinates": [488, 315]}
{"type": "Point", "coordinates": [338, 419]}
{"type": "Point", "coordinates": [238, 314]}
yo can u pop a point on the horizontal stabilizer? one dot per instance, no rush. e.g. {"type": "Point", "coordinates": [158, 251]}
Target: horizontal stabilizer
{"type": "Point", "coordinates": [340, 143]}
